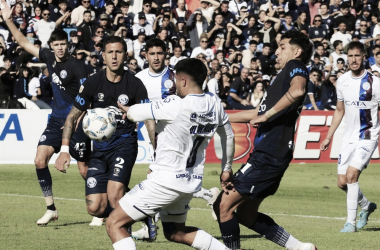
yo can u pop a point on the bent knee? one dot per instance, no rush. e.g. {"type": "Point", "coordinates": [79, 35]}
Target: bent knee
{"type": "Point", "coordinates": [95, 209]}
{"type": "Point", "coordinates": [40, 162]}
{"type": "Point", "coordinates": [174, 237]}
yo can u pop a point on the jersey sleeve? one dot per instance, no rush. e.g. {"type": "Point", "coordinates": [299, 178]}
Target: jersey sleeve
{"type": "Point", "coordinates": [81, 72]}
{"type": "Point", "coordinates": [83, 99]}
{"type": "Point", "coordinates": [310, 88]}
{"type": "Point", "coordinates": [297, 68]}
{"type": "Point", "coordinates": [141, 94]}
{"type": "Point", "coordinates": [166, 109]}
{"type": "Point", "coordinates": [339, 93]}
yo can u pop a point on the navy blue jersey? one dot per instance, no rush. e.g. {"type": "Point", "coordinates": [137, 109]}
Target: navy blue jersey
{"type": "Point", "coordinates": [317, 32]}
{"type": "Point", "coordinates": [66, 78]}
{"type": "Point", "coordinates": [276, 136]}
{"type": "Point", "coordinates": [98, 91]}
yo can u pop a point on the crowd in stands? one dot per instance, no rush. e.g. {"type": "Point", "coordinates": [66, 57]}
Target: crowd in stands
{"type": "Point", "coordinates": [235, 39]}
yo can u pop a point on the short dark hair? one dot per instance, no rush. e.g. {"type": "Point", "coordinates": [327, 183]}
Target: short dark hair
{"type": "Point", "coordinates": [86, 12]}
{"type": "Point", "coordinates": [300, 39]}
{"type": "Point", "coordinates": [194, 68]}
{"type": "Point", "coordinates": [266, 45]}
{"type": "Point", "coordinates": [325, 4]}
{"type": "Point", "coordinates": [316, 70]}
{"type": "Point", "coordinates": [356, 45]}
{"type": "Point", "coordinates": [378, 53]}
{"type": "Point", "coordinates": [177, 46]}
{"type": "Point", "coordinates": [7, 58]}
{"type": "Point", "coordinates": [110, 3]}
{"type": "Point", "coordinates": [336, 43]}
{"type": "Point", "coordinates": [155, 42]}
{"type": "Point", "coordinates": [316, 55]}
{"type": "Point", "coordinates": [58, 35]}
{"type": "Point", "coordinates": [115, 39]}
{"type": "Point", "coordinates": [252, 42]}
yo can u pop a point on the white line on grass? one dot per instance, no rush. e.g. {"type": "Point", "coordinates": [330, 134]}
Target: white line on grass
{"type": "Point", "coordinates": [196, 208]}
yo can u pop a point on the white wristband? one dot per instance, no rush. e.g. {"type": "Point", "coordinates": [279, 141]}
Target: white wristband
{"type": "Point", "coordinates": [64, 149]}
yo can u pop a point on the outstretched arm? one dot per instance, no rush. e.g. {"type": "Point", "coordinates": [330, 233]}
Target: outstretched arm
{"type": "Point", "coordinates": [68, 130]}
{"type": "Point", "coordinates": [20, 38]}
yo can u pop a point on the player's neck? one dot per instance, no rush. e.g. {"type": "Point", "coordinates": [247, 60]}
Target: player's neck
{"type": "Point", "coordinates": [64, 58]}
{"type": "Point", "coordinates": [158, 71]}
{"type": "Point", "coordinates": [114, 76]}
{"type": "Point", "coordinates": [357, 73]}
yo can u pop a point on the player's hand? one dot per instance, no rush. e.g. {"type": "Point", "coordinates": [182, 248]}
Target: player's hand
{"type": "Point", "coordinates": [123, 109]}
{"type": "Point", "coordinates": [6, 12]}
{"type": "Point", "coordinates": [226, 181]}
{"type": "Point", "coordinates": [258, 120]}
{"type": "Point", "coordinates": [325, 144]}
{"type": "Point", "coordinates": [63, 162]}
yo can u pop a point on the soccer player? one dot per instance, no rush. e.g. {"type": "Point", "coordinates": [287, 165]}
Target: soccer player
{"type": "Point", "coordinates": [358, 97]}
{"type": "Point", "coordinates": [273, 150]}
{"type": "Point", "coordinates": [67, 74]}
{"type": "Point", "coordinates": [159, 82]}
{"type": "Point", "coordinates": [111, 161]}
{"type": "Point", "coordinates": [187, 123]}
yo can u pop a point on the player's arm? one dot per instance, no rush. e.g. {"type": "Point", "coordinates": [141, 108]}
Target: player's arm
{"type": "Point", "coordinates": [20, 38]}
{"type": "Point", "coordinates": [227, 138]}
{"type": "Point", "coordinates": [244, 116]}
{"type": "Point", "coordinates": [68, 130]}
{"type": "Point", "coordinates": [312, 101]}
{"type": "Point", "coordinates": [336, 120]}
{"type": "Point", "coordinates": [296, 91]}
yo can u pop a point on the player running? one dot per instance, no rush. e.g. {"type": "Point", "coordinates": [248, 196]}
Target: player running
{"type": "Point", "coordinates": [273, 150]}
{"type": "Point", "coordinates": [188, 125]}
{"type": "Point", "coordinates": [67, 75]}
{"type": "Point", "coordinates": [358, 97]}
{"type": "Point", "coordinates": [111, 161]}
{"type": "Point", "coordinates": [159, 82]}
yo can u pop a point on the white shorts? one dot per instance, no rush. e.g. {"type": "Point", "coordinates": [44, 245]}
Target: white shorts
{"type": "Point", "coordinates": [356, 154]}
{"type": "Point", "coordinates": [148, 198]}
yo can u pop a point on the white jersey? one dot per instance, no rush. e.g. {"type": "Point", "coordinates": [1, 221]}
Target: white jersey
{"type": "Point", "coordinates": [361, 96]}
{"type": "Point", "coordinates": [160, 85]}
{"type": "Point", "coordinates": [335, 57]}
{"type": "Point", "coordinates": [188, 126]}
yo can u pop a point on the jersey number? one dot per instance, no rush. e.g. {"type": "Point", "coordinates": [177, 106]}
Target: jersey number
{"type": "Point", "coordinates": [193, 154]}
{"type": "Point", "coordinates": [121, 162]}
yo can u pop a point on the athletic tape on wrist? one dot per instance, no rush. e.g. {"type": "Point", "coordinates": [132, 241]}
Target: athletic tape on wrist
{"type": "Point", "coordinates": [270, 113]}
{"type": "Point", "coordinates": [64, 149]}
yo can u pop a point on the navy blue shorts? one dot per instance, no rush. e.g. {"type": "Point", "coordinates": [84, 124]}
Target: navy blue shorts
{"type": "Point", "coordinates": [80, 144]}
{"type": "Point", "coordinates": [260, 176]}
{"type": "Point", "coordinates": [115, 164]}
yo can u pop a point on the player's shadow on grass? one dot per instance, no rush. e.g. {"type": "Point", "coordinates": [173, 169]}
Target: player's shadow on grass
{"type": "Point", "coordinates": [372, 229]}
{"type": "Point", "coordinates": [68, 224]}
{"type": "Point", "coordinates": [249, 236]}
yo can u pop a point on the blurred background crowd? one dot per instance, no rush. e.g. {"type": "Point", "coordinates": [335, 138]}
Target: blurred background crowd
{"type": "Point", "coordinates": [237, 41]}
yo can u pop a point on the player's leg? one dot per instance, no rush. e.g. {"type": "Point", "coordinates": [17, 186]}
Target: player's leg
{"type": "Point", "coordinates": [82, 167]}
{"type": "Point", "coordinates": [173, 219]}
{"type": "Point", "coordinates": [41, 161]}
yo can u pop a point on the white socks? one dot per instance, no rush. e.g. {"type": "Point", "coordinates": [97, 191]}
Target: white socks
{"type": "Point", "coordinates": [352, 202]}
{"type": "Point", "coordinates": [363, 202]}
{"type": "Point", "coordinates": [204, 194]}
{"type": "Point", "coordinates": [126, 243]}
{"type": "Point", "coordinates": [204, 241]}
{"type": "Point", "coordinates": [293, 243]}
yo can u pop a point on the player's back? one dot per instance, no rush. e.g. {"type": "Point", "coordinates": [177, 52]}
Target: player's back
{"type": "Point", "coordinates": [188, 126]}
{"type": "Point", "coordinates": [360, 96]}
{"type": "Point", "coordinates": [160, 85]}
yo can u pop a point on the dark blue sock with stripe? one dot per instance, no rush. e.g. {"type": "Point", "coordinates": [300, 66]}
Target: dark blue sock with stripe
{"type": "Point", "coordinates": [231, 232]}
{"type": "Point", "coordinates": [46, 184]}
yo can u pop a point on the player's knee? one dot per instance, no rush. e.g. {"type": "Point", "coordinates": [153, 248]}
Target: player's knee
{"type": "Point", "coordinates": [95, 209]}
{"type": "Point", "coordinates": [352, 176]}
{"type": "Point", "coordinates": [170, 230]}
{"type": "Point", "coordinates": [110, 225]}
{"type": "Point", "coordinates": [342, 185]}
{"type": "Point", "coordinates": [40, 162]}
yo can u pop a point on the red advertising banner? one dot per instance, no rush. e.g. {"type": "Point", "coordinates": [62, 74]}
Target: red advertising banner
{"type": "Point", "coordinates": [312, 127]}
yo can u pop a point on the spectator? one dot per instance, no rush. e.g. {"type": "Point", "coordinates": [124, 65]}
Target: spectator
{"type": "Point", "coordinates": [324, 59]}
{"type": "Point", "coordinates": [341, 35]}
{"type": "Point", "coordinates": [133, 67]}
{"type": "Point", "coordinates": [30, 35]}
{"type": "Point", "coordinates": [327, 20]}
{"type": "Point", "coordinates": [248, 31]}
{"type": "Point", "coordinates": [328, 92]}
{"type": "Point", "coordinates": [84, 33]}
{"type": "Point", "coordinates": [208, 7]}
{"type": "Point", "coordinates": [235, 6]}
{"type": "Point", "coordinates": [314, 6]}
{"type": "Point", "coordinates": [203, 49]}
{"type": "Point", "coordinates": [142, 25]}
{"type": "Point", "coordinates": [219, 55]}
{"type": "Point", "coordinates": [257, 94]}
{"type": "Point", "coordinates": [218, 44]}
{"type": "Point", "coordinates": [36, 17]}
{"type": "Point", "coordinates": [196, 26]}
{"type": "Point", "coordinates": [163, 35]}
{"type": "Point", "coordinates": [128, 20]}
{"type": "Point", "coordinates": [181, 11]}
{"type": "Point", "coordinates": [269, 31]}
{"type": "Point", "coordinates": [296, 7]}
{"type": "Point", "coordinates": [346, 18]}
{"type": "Point", "coordinates": [177, 56]}
{"type": "Point", "coordinates": [334, 8]}
{"type": "Point", "coordinates": [77, 14]}
{"type": "Point", "coordinates": [186, 50]}
{"type": "Point", "coordinates": [249, 53]}
{"type": "Point", "coordinates": [139, 42]}
{"type": "Point", "coordinates": [21, 91]}
{"type": "Point", "coordinates": [228, 17]}
{"type": "Point", "coordinates": [338, 46]}
{"type": "Point", "coordinates": [224, 91]}
{"type": "Point", "coordinates": [312, 101]}
{"type": "Point", "coordinates": [239, 92]}
{"type": "Point", "coordinates": [301, 21]}
{"type": "Point", "coordinates": [341, 65]}
{"type": "Point", "coordinates": [44, 28]}
{"type": "Point", "coordinates": [214, 83]}
{"type": "Point", "coordinates": [362, 33]}
{"type": "Point", "coordinates": [316, 63]}
{"type": "Point", "coordinates": [287, 25]}
{"type": "Point", "coordinates": [45, 86]}
{"type": "Point", "coordinates": [93, 67]}
{"type": "Point", "coordinates": [371, 59]}
{"type": "Point", "coordinates": [180, 30]}
{"type": "Point", "coordinates": [318, 32]}
{"type": "Point", "coordinates": [376, 66]}
{"type": "Point", "coordinates": [146, 8]}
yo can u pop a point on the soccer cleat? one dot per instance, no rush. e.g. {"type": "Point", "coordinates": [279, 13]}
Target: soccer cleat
{"type": "Point", "coordinates": [215, 193]}
{"type": "Point", "coordinates": [364, 214]}
{"type": "Point", "coordinates": [308, 246]}
{"type": "Point", "coordinates": [48, 216]}
{"type": "Point", "coordinates": [348, 228]}
{"type": "Point", "coordinates": [96, 221]}
{"type": "Point", "coordinates": [142, 234]}
{"type": "Point", "coordinates": [152, 229]}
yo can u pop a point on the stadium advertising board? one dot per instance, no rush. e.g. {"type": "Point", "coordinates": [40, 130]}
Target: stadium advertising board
{"type": "Point", "coordinates": [20, 131]}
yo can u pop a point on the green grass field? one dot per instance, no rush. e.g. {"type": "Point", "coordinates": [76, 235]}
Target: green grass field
{"type": "Point", "coordinates": [308, 204]}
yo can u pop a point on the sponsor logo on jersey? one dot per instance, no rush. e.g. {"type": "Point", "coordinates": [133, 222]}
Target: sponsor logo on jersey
{"type": "Point", "coordinates": [43, 138]}
{"type": "Point", "coordinates": [361, 104]}
{"type": "Point", "coordinates": [141, 186]}
{"type": "Point", "coordinates": [80, 100]}
{"type": "Point", "coordinates": [298, 70]}
{"type": "Point", "coordinates": [57, 81]}
{"type": "Point", "coordinates": [123, 99]}
{"type": "Point", "coordinates": [81, 89]}
{"type": "Point", "coordinates": [168, 84]}
{"type": "Point", "coordinates": [91, 182]}
{"type": "Point", "coordinates": [101, 96]}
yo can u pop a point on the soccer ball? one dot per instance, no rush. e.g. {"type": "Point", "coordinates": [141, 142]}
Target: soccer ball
{"type": "Point", "coordinates": [99, 124]}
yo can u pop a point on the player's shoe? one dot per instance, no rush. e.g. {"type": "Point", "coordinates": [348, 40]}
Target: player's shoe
{"type": "Point", "coordinates": [364, 214]}
{"type": "Point", "coordinates": [215, 193]}
{"type": "Point", "coordinates": [50, 215]}
{"type": "Point", "coordinates": [96, 221]}
{"type": "Point", "coordinates": [142, 234]}
{"type": "Point", "coordinates": [308, 246]}
{"type": "Point", "coordinates": [148, 232]}
{"type": "Point", "coordinates": [348, 228]}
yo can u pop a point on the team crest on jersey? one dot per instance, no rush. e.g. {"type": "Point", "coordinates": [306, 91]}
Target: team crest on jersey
{"type": "Point", "coordinates": [43, 138]}
{"type": "Point", "coordinates": [366, 86]}
{"type": "Point", "coordinates": [56, 10]}
{"type": "Point", "coordinates": [168, 84]}
{"type": "Point", "coordinates": [316, 32]}
{"type": "Point", "coordinates": [101, 97]}
{"type": "Point", "coordinates": [123, 99]}
{"type": "Point", "coordinates": [63, 74]}
{"type": "Point", "coordinates": [91, 182]}
{"type": "Point", "coordinates": [116, 171]}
